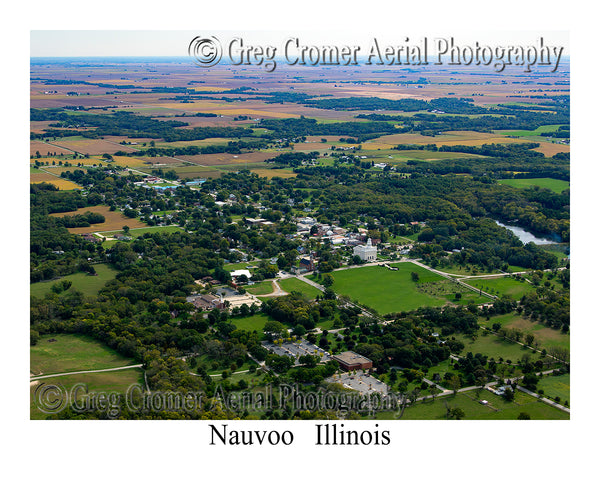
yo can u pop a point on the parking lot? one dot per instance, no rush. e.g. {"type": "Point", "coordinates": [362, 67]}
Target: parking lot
{"type": "Point", "coordinates": [362, 382]}
{"type": "Point", "coordinates": [297, 349]}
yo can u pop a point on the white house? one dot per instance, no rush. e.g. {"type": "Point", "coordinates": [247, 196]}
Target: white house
{"type": "Point", "coordinates": [366, 252]}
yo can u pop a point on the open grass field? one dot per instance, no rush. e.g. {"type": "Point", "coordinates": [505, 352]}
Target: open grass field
{"type": "Point", "coordinates": [496, 409]}
{"type": "Point", "coordinates": [262, 288]}
{"type": "Point", "coordinates": [137, 232]}
{"type": "Point", "coordinates": [293, 284]}
{"type": "Point", "coordinates": [546, 336]}
{"type": "Point", "coordinates": [86, 284]}
{"type": "Point", "coordinates": [495, 347]}
{"type": "Point", "coordinates": [530, 133]}
{"type": "Point", "coordinates": [254, 322]}
{"type": "Point", "coordinates": [113, 220]}
{"type": "Point", "coordinates": [103, 382]}
{"type": "Point", "coordinates": [556, 186]}
{"type": "Point", "coordinates": [384, 290]}
{"type": "Point", "coordinates": [502, 286]}
{"type": "Point", "coordinates": [556, 386]}
{"type": "Point", "coordinates": [72, 353]}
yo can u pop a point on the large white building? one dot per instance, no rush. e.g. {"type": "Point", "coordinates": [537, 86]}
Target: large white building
{"type": "Point", "coordinates": [366, 252]}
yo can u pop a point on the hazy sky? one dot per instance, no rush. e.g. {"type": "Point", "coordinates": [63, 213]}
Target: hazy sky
{"type": "Point", "coordinates": [73, 43]}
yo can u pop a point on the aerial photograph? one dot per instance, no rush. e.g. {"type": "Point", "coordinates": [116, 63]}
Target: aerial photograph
{"type": "Point", "coordinates": [284, 229]}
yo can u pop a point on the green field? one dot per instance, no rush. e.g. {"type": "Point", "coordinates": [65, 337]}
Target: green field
{"type": "Point", "coordinates": [295, 285]}
{"type": "Point", "coordinates": [496, 409]}
{"type": "Point", "coordinates": [72, 353]}
{"type": "Point", "coordinates": [86, 284]}
{"type": "Point", "coordinates": [502, 286]}
{"type": "Point", "coordinates": [103, 382]}
{"type": "Point", "coordinates": [556, 186]}
{"type": "Point", "coordinates": [559, 386]}
{"type": "Point", "coordinates": [495, 347]}
{"type": "Point", "coordinates": [137, 232]}
{"type": "Point", "coordinates": [386, 290]}
{"type": "Point", "coordinates": [262, 288]}
{"type": "Point", "coordinates": [254, 322]}
{"type": "Point", "coordinates": [546, 336]}
{"type": "Point", "coordinates": [530, 133]}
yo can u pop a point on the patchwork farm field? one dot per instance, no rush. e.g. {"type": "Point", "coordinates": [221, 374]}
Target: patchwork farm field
{"type": "Point", "coordinates": [113, 220]}
{"type": "Point", "coordinates": [60, 183]}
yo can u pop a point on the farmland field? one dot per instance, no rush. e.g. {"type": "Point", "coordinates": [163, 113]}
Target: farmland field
{"type": "Point", "coordinates": [556, 186]}
{"type": "Point", "coordinates": [60, 183]}
{"type": "Point", "coordinates": [113, 220]}
{"type": "Point", "coordinates": [86, 284]}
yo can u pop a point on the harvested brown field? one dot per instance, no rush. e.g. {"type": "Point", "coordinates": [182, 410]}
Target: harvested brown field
{"type": "Point", "coordinates": [62, 184]}
{"type": "Point", "coordinates": [93, 146]}
{"type": "Point", "coordinates": [228, 158]}
{"type": "Point", "coordinates": [113, 220]}
{"type": "Point", "coordinates": [45, 148]}
{"type": "Point", "coordinates": [550, 149]}
{"type": "Point", "coordinates": [273, 172]}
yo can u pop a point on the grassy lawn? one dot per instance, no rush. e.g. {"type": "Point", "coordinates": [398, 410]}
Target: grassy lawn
{"type": "Point", "coordinates": [386, 290]}
{"type": "Point", "coordinates": [556, 186]}
{"type": "Point", "coordinates": [86, 284]}
{"type": "Point", "coordinates": [495, 347]}
{"type": "Point", "coordinates": [496, 409]}
{"type": "Point", "coordinates": [137, 232]}
{"type": "Point", "coordinates": [104, 382]}
{"type": "Point", "coordinates": [72, 353]}
{"type": "Point", "coordinates": [230, 267]}
{"type": "Point", "coordinates": [295, 285]}
{"type": "Point", "coordinates": [546, 336]}
{"type": "Point", "coordinates": [262, 288]}
{"type": "Point", "coordinates": [254, 322]}
{"type": "Point", "coordinates": [559, 386]}
{"type": "Point", "coordinates": [502, 286]}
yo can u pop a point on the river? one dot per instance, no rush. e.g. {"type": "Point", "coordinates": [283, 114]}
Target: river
{"type": "Point", "coordinates": [525, 236]}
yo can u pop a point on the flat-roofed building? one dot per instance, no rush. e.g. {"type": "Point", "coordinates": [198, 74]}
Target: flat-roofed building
{"type": "Point", "coordinates": [353, 361]}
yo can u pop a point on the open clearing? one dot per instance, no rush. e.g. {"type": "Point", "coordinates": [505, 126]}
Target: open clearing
{"type": "Point", "coordinates": [502, 286]}
{"type": "Point", "coordinates": [86, 284]}
{"type": "Point", "coordinates": [254, 322]}
{"type": "Point", "coordinates": [102, 382]}
{"type": "Point", "coordinates": [92, 146]}
{"type": "Point", "coordinates": [72, 353]}
{"type": "Point", "coordinates": [546, 336]}
{"type": "Point", "coordinates": [556, 386]}
{"type": "Point", "coordinates": [496, 409]}
{"type": "Point", "coordinates": [556, 186]}
{"type": "Point", "coordinates": [384, 290]}
{"type": "Point", "coordinates": [113, 220]}
{"type": "Point", "coordinates": [294, 285]}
